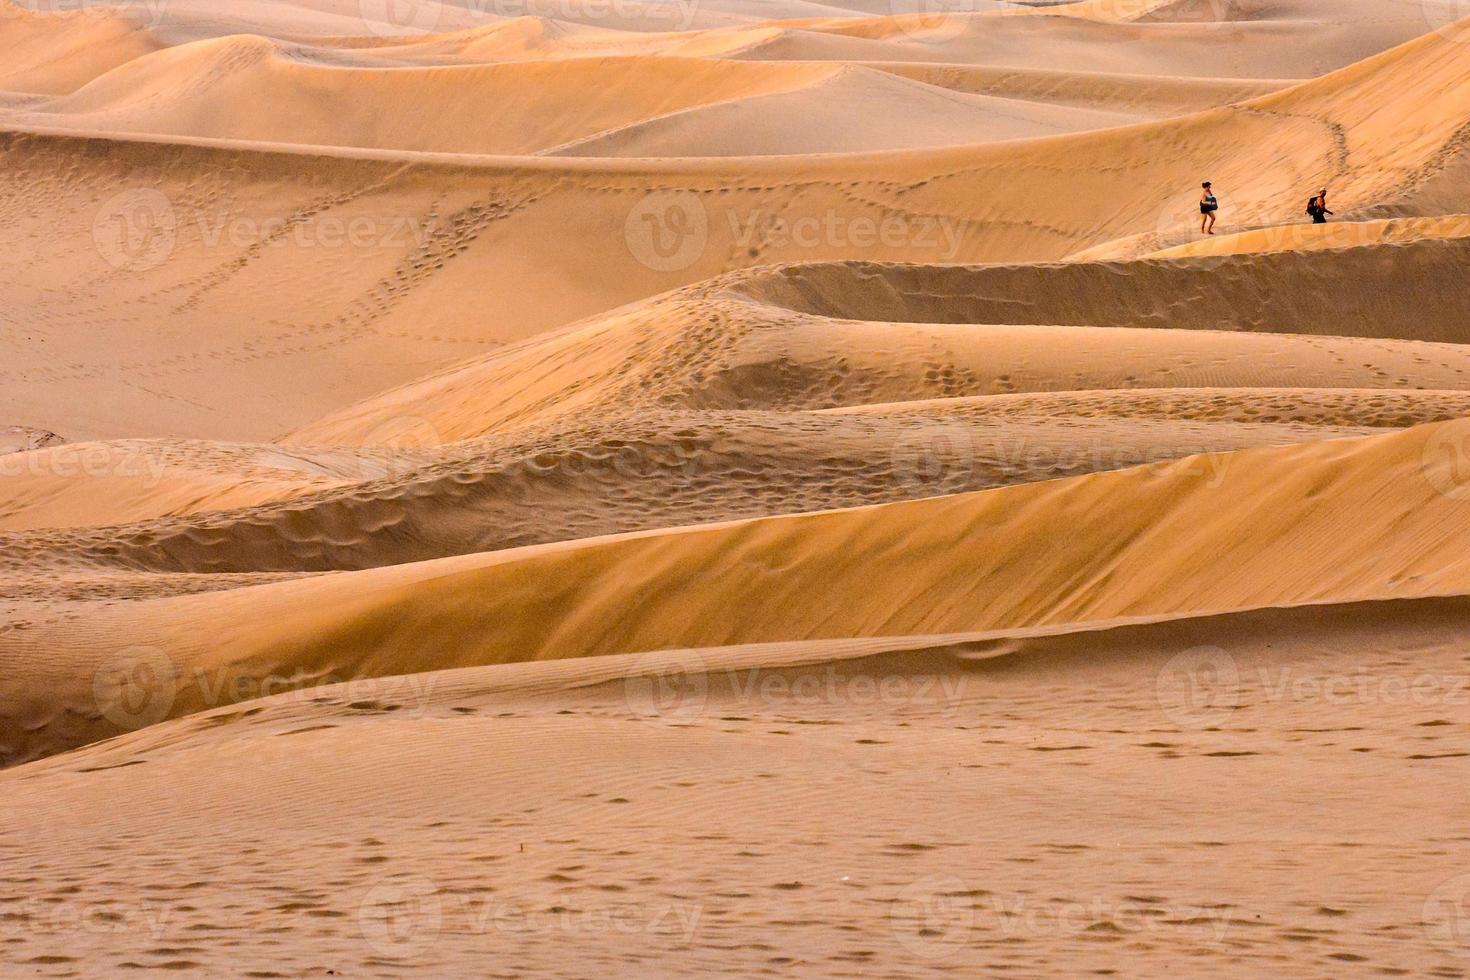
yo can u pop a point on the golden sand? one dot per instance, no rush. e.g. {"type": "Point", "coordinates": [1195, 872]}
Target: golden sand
{"type": "Point", "coordinates": [712, 487]}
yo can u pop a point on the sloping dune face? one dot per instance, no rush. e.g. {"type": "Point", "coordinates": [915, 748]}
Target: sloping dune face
{"type": "Point", "coordinates": [733, 487]}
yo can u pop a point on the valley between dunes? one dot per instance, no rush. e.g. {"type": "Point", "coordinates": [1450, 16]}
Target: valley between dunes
{"type": "Point", "coordinates": [690, 487]}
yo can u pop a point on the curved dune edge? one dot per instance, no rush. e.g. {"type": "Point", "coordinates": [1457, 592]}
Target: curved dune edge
{"type": "Point", "coordinates": [619, 679]}
{"type": "Point", "coordinates": [1334, 521]}
{"type": "Point", "coordinates": [57, 52]}
{"type": "Point", "coordinates": [153, 501]}
{"type": "Point", "coordinates": [99, 483]}
{"type": "Point", "coordinates": [630, 106]}
{"type": "Point", "coordinates": [458, 228]}
{"type": "Point", "coordinates": [618, 477]}
{"type": "Point", "coordinates": [832, 335]}
{"type": "Point", "coordinates": [1311, 238]}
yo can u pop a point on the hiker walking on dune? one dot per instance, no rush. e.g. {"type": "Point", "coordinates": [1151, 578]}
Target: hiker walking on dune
{"type": "Point", "coordinates": [1317, 208]}
{"type": "Point", "coordinates": [1208, 205]}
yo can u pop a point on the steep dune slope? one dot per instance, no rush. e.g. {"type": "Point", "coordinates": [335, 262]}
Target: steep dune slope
{"type": "Point", "coordinates": [561, 483]}
{"type": "Point", "coordinates": [629, 472]}
{"type": "Point", "coordinates": [1341, 520]}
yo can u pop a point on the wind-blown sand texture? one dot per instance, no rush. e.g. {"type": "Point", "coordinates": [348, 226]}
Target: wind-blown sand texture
{"type": "Point", "coordinates": [752, 487]}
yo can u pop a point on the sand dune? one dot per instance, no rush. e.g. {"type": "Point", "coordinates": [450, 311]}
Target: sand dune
{"type": "Point", "coordinates": [1344, 520]}
{"type": "Point", "coordinates": [468, 772]}
{"type": "Point", "coordinates": [625, 475]}
{"type": "Point", "coordinates": [400, 244]}
{"type": "Point", "coordinates": [784, 123]}
{"type": "Point", "coordinates": [56, 53]}
{"type": "Point", "coordinates": [1306, 238]}
{"type": "Point", "coordinates": [893, 450]}
{"type": "Point", "coordinates": [521, 107]}
{"type": "Point", "coordinates": [823, 336]}
{"type": "Point", "coordinates": [446, 447]}
{"type": "Point", "coordinates": [515, 108]}
{"type": "Point", "coordinates": [1140, 95]}
{"type": "Point", "coordinates": [82, 484]}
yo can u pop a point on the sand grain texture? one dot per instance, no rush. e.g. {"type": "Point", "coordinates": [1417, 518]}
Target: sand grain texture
{"type": "Point", "coordinates": [734, 488]}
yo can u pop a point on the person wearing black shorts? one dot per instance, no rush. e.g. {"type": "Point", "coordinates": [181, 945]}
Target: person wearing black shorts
{"type": "Point", "coordinates": [1208, 205]}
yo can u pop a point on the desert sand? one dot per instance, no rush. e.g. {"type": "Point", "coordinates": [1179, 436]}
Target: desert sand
{"type": "Point", "coordinates": [743, 487]}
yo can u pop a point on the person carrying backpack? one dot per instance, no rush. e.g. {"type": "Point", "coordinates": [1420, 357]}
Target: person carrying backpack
{"type": "Point", "coordinates": [1317, 208]}
{"type": "Point", "coordinates": [1208, 205]}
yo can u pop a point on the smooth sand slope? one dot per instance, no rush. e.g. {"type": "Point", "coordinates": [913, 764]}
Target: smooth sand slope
{"type": "Point", "coordinates": [1041, 805]}
{"type": "Point", "coordinates": [756, 487]}
{"type": "Point", "coordinates": [639, 106]}
{"type": "Point", "coordinates": [378, 260]}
